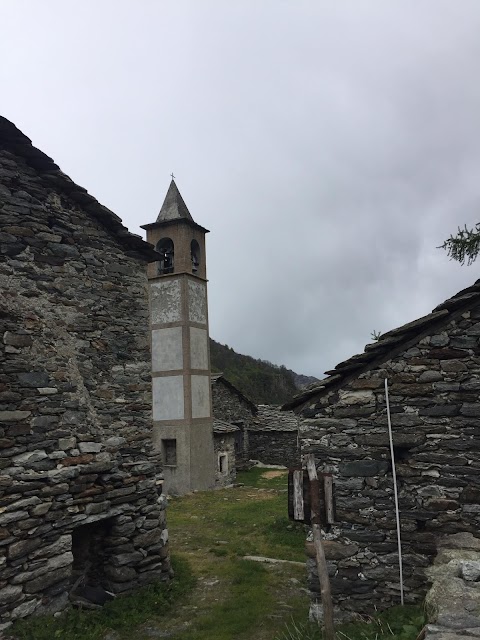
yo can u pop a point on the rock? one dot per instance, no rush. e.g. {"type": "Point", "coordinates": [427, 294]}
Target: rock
{"type": "Point", "coordinates": [30, 457]}
{"type": "Point", "coordinates": [34, 379]}
{"type": "Point", "coordinates": [14, 416]}
{"type": "Point", "coordinates": [47, 580]}
{"type": "Point", "coordinates": [333, 550]}
{"type": "Point", "coordinates": [364, 468]}
{"type": "Point", "coordinates": [17, 339]}
{"type": "Point", "coordinates": [470, 570]}
{"type": "Point", "coordinates": [90, 447]}
{"type": "Point", "coordinates": [461, 540]}
{"type": "Point", "coordinates": [23, 547]}
{"type": "Point", "coordinates": [25, 609]}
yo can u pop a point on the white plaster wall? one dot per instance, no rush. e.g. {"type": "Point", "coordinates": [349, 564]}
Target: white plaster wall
{"type": "Point", "coordinates": [165, 301]}
{"type": "Point", "coordinates": [167, 351]}
{"type": "Point", "coordinates": [198, 348]}
{"type": "Point", "coordinates": [197, 302]}
{"type": "Point", "coordinates": [200, 396]}
{"type": "Point", "coordinates": [168, 403]}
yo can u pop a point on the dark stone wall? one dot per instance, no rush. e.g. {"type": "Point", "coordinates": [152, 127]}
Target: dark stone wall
{"type": "Point", "coordinates": [434, 391]}
{"type": "Point", "coordinates": [274, 447]}
{"type": "Point", "coordinates": [75, 398]}
{"type": "Point", "coordinates": [230, 407]}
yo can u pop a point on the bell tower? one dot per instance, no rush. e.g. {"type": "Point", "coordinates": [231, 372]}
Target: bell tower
{"type": "Point", "coordinates": [182, 403]}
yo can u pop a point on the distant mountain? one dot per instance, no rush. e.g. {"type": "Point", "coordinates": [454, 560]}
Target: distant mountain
{"type": "Point", "coordinates": [303, 381]}
{"type": "Point", "coordinates": [260, 380]}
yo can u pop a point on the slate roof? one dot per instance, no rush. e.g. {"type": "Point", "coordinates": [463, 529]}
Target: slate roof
{"type": "Point", "coordinates": [174, 207]}
{"type": "Point", "coordinates": [382, 349]}
{"type": "Point", "coordinates": [219, 427]}
{"type": "Point", "coordinates": [272, 418]}
{"type": "Point", "coordinates": [16, 142]}
{"type": "Point", "coordinates": [219, 377]}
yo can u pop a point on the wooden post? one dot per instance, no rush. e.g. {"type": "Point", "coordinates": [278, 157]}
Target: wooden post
{"type": "Point", "coordinates": [298, 513]}
{"type": "Point", "coordinates": [325, 591]}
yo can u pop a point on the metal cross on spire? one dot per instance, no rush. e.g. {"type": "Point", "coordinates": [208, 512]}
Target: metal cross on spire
{"type": "Point", "coordinates": [173, 177]}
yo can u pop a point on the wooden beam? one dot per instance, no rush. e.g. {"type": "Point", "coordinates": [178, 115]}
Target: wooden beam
{"type": "Point", "coordinates": [330, 512]}
{"type": "Point", "coordinates": [298, 511]}
{"type": "Point", "coordinates": [323, 577]}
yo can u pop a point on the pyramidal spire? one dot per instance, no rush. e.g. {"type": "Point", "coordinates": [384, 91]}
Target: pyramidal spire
{"type": "Point", "coordinates": [173, 207]}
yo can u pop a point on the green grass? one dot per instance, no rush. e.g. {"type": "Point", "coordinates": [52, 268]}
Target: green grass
{"type": "Point", "coordinates": [249, 599]}
{"type": "Point", "coordinates": [122, 615]}
{"type": "Point", "coordinates": [254, 477]}
{"type": "Point", "coordinates": [397, 623]}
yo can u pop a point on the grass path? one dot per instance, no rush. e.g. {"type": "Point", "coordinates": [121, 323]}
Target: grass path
{"type": "Point", "coordinates": [236, 598]}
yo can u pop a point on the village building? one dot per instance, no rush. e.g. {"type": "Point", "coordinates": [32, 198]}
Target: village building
{"type": "Point", "coordinates": [432, 368]}
{"type": "Point", "coordinates": [265, 433]}
{"type": "Point", "coordinates": [80, 479]}
{"type": "Point", "coordinates": [182, 402]}
{"type": "Point", "coordinates": [225, 442]}
{"type": "Point", "coordinates": [274, 437]}
{"type": "Point", "coordinates": [231, 406]}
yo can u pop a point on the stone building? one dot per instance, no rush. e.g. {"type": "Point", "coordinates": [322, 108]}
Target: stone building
{"type": "Point", "coordinates": [273, 437]}
{"type": "Point", "coordinates": [230, 405]}
{"type": "Point", "coordinates": [79, 478]}
{"type": "Point", "coordinates": [224, 443]}
{"type": "Point", "coordinates": [433, 370]}
{"type": "Point", "coordinates": [182, 404]}
{"type": "Point", "coordinates": [265, 432]}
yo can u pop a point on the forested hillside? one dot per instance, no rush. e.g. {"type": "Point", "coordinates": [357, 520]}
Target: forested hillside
{"type": "Point", "coordinates": [261, 381]}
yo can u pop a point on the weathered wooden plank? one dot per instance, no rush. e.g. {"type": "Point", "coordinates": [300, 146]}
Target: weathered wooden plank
{"type": "Point", "coordinates": [329, 505]}
{"type": "Point", "coordinates": [325, 591]}
{"type": "Point", "coordinates": [298, 512]}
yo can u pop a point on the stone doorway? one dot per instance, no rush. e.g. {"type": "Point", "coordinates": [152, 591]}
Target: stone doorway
{"type": "Point", "coordinates": [90, 558]}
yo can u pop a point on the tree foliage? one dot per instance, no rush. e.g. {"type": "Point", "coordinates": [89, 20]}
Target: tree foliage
{"type": "Point", "coordinates": [260, 380]}
{"type": "Point", "coordinates": [464, 246]}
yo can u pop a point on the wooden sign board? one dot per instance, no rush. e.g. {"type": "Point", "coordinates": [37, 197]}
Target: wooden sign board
{"type": "Point", "coordinates": [299, 499]}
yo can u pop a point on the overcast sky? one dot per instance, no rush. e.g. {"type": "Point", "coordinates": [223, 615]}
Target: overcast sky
{"type": "Point", "coordinates": [329, 146]}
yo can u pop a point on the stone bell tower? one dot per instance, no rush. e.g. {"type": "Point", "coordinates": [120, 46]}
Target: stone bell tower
{"type": "Point", "coordinates": [182, 403]}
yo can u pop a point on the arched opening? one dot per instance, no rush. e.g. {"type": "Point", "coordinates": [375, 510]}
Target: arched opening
{"type": "Point", "coordinates": [195, 255]}
{"type": "Point", "coordinates": [165, 249]}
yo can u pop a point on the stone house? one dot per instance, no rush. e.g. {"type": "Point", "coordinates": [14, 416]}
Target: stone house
{"type": "Point", "coordinates": [79, 479]}
{"type": "Point", "coordinates": [432, 366]}
{"type": "Point", "coordinates": [224, 441]}
{"type": "Point", "coordinates": [273, 437]}
{"type": "Point", "coordinates": [231, 406]}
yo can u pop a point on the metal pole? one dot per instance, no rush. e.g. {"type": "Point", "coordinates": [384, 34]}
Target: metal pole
{"type": "Point", "coordinates": [395, 491]}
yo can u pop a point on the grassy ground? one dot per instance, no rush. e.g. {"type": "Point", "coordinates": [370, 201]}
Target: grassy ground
{"type": "Point", "coordinates": [217, 594]}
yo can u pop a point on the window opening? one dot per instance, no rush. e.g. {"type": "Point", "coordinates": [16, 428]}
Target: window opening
{"type": "Point", "coordinates": [195, 255]}
{"type": "Point", "coordinates": [166, 250]}
{"type": "Point", "coordinates": [223, 463]}
{"type": "Point", "coordinates": [169, 452]}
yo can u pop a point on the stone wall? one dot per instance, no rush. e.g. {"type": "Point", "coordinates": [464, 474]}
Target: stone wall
{"type": "Point", "coordinates": [453, 601]}
{"type": "Point", "coordinates": [75, 393]}
{"type": "Point", "coordinates": [434, 382]}
{"type": "Point", "coordinates": [231, 406]}
{"type": "Point", "coordinates": [273, 437]}
{"type": "Point", "coordinates": [274, 447]}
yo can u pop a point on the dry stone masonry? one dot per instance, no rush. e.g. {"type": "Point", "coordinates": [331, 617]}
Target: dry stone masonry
{"type": "Point", "coordinates": [273, 437]}
{"type": "Point", "coordinates": [80, 492]}
{"type": "Point", "coordinates": [433, 369]}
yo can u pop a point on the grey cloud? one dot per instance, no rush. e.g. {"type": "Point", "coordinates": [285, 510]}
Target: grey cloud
{"type": "Point", "coordinates": [330, 147]}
